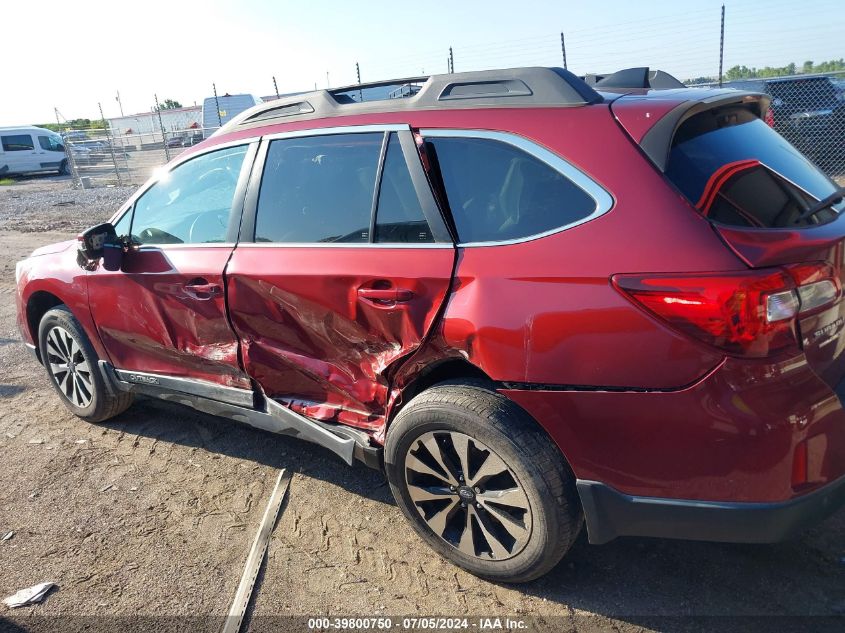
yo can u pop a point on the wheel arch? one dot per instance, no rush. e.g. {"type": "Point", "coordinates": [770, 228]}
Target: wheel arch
{"type": "Point", "coordinates": [457, 370]}
{"type": "Point", "coordinates": [37, 305]}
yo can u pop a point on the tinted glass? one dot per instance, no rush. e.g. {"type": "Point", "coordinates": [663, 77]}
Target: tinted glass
{"type": "Point", "coordinates": [17, 142]}
{"type": "Point", "coordinates": [399, 217]}
{"type": "Point", "coordinates": [191, 204]}
{"type": "Point", "coordinates": [51, 143]}
{"type": "Point", "coordinates": [318, 189]}
{"type": "Point", "coordinates": [736, 170]}
{"type": "Point", "coordinates": [498, 192]}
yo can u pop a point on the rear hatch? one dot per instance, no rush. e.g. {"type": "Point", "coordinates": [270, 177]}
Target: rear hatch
{"type": "Point", "coordinates": [756, 190]}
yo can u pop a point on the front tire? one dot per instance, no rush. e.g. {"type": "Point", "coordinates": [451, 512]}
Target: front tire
{"type": "Point", "coordinates": [73, 367]}
{"type": "Point", "coordinates": [482, 483]}
{"type": "Point", "coordinates": [63, 169]}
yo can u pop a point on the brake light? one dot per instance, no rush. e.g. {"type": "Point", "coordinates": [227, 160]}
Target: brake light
{"type": "Point", "coordinates": [750, 313]}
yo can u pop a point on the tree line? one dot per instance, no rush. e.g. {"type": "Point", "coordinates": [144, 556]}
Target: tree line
{"type": "Point", "coordinates": [744, 72]}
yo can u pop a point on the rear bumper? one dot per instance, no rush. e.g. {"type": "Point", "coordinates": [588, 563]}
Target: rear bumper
{"type": "Point", "coordinates": [610, 513]}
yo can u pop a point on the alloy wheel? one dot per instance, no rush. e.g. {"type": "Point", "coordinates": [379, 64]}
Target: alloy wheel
{"type": "Point", "coordinates": [467, 495]}
{"type": "Point", "coordinates": [69, 367]}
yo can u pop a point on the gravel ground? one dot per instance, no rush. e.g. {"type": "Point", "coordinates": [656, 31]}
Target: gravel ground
{"type": "Point", "coordinates": [49, 203]}
{"type": "Point", "coordinates": [151, 515]}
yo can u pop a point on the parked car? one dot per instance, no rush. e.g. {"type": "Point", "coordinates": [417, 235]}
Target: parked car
{"type": "Point", "coordinates": [176, 141]}
{"type": "Point", "coordinates": [534, 305]}
{"type": "Point", "coordinates": [809, 111]}
{"type": "Point", "coordinates": [31, 149]}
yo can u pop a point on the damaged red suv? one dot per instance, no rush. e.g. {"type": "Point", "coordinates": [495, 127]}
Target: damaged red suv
{"type": "Point", "coordinates": [535, 303]}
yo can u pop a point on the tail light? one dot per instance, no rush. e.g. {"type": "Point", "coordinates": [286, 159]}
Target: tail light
{"type": "Point", "coordinates": [751, 313]}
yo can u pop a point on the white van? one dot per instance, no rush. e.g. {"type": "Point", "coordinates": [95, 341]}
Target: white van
{"type": "Point", "coordinates": [229, 107]}
{"type": "Point", "coordinates": [28, 149]}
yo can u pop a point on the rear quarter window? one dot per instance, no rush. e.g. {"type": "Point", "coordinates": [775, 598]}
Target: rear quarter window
{"type": "Point", "coordinates": [499, 192]}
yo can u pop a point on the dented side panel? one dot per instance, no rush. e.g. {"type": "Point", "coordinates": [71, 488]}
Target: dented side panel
{"type": "Point", "coordinates": [149, 319]}
{"type": "Point", "coordinates": [312, 342]}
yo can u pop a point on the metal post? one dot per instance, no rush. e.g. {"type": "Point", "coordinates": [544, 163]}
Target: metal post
{"type": "Point", "coordinates": [358, 73]}
{"type": "Point", "coordinates": [451, 61]}
{"type": "Point", "coordinates": [722, 47]}
{"type": "Point", "coordinates": [119, 102]}
{"type": "Point", "coordinates": [275, 86]}
{"type": "Point", "coordinates": [161, 125]}
{"type": "Point", "coordinates": [111, 145]}
{"type": "Point", "coordinates": [563, 50]}
{"type": "Point", "coordinates": [216, 105]}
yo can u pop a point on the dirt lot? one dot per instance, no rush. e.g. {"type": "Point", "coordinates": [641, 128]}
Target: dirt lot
{"type": "Point", "coordinates": [149, 517]}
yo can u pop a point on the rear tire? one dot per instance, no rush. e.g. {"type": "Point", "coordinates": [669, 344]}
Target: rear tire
{"type": "Point", "coordinates": [521, 511]}
{"type": "Point", "coordinates": [73, 368]}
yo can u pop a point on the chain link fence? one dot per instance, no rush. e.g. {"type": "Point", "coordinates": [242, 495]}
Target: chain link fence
{"type": "Point", "coordinates": [808, 111]}
{"type": "Point", "coordinates": [101, 157]}
{"type": "Point", "coordinates": [127, 149]}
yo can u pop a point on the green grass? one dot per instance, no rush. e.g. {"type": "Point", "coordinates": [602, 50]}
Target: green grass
{"type": "Point", "coordinates": [5, 182]}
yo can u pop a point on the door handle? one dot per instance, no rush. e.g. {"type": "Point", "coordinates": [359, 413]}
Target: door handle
{"type": "Point", "coordinates": [199, 288]}
{"type": "Point", "coordinates": [396, 295]}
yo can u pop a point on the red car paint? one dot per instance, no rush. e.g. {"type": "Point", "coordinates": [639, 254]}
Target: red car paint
{"type": "Point", "coordinates": [630, 401]}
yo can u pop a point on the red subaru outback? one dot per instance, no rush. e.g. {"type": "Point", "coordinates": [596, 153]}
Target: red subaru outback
{"type": "Point", "coordinates": [534, 304]}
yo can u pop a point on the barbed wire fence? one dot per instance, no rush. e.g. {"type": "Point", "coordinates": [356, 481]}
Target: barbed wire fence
{"type": "Point", "coordinates": [808, 109]}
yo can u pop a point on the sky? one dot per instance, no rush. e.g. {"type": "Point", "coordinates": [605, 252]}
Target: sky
{"type": "Point", "coordinates": [92, 49]}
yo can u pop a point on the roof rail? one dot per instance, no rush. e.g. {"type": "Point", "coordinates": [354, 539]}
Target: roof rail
{"type": "Point", "coordinates": [633, 79]}
{"type": "Point", "coordinates": [513, 87]}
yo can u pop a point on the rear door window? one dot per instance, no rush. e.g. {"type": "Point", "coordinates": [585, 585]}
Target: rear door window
{"type": "Point", "coordinates": [498, 192]}
{"type": "Point", "coordinates": [318, 189]}
{"type": "Point", "coordinates": [17, 142]}
{"type": "Point", "coordinates": [399, 218]}
{"type": "Point", "coordinates": [737, 171]}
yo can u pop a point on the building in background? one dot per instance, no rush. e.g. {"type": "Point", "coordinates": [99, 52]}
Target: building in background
{"type": "Point", "coordinates": [175, 120]}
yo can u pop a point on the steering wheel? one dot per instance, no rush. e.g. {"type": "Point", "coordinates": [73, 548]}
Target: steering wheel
{"type": "Point", "coordinates": [211, 174]}
{"type": "Point", "coordinates": [157, 236]}
{"type": "Point", "coordinates": [220, 220]}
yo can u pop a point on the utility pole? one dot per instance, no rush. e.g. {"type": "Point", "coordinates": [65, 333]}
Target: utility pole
{"type": "Point", "coordinates": [328, 84]}
{"type": "Point", "coordinates": [275, 87]}
{"type": "Point", "coordinates": [563, 50]}
{"type": "Point", "coordinates": [161, 125]}
{"type": "Point", "coordinates": [451, 61]}
{"type": "Point", "coordinates": [56, 110]}
{"type": "Point", "coordinates": [722, 47]}
{"type": "Point", "coordinates": [119, 102]}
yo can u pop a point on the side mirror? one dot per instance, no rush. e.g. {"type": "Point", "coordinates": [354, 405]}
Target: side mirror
{"type": "Point", "coordinates": [100, 241]}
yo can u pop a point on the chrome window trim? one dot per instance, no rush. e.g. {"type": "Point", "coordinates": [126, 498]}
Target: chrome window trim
{"type": "Point", "coordinates": [603, 199]}
{"type": "Point", "coordinates": [347, 129]}
{"type": "Point", "coordinates": [158, 247]}
{"type": "Point", "coordinates": [357, 245]}
{"type": "Point", "coordinates": [179, 160]}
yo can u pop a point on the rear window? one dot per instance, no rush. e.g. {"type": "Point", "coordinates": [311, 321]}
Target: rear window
{"type": "Point", "coordinates": [498, 192]}
{"type": "Point", "coordinates": [737, 171]}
